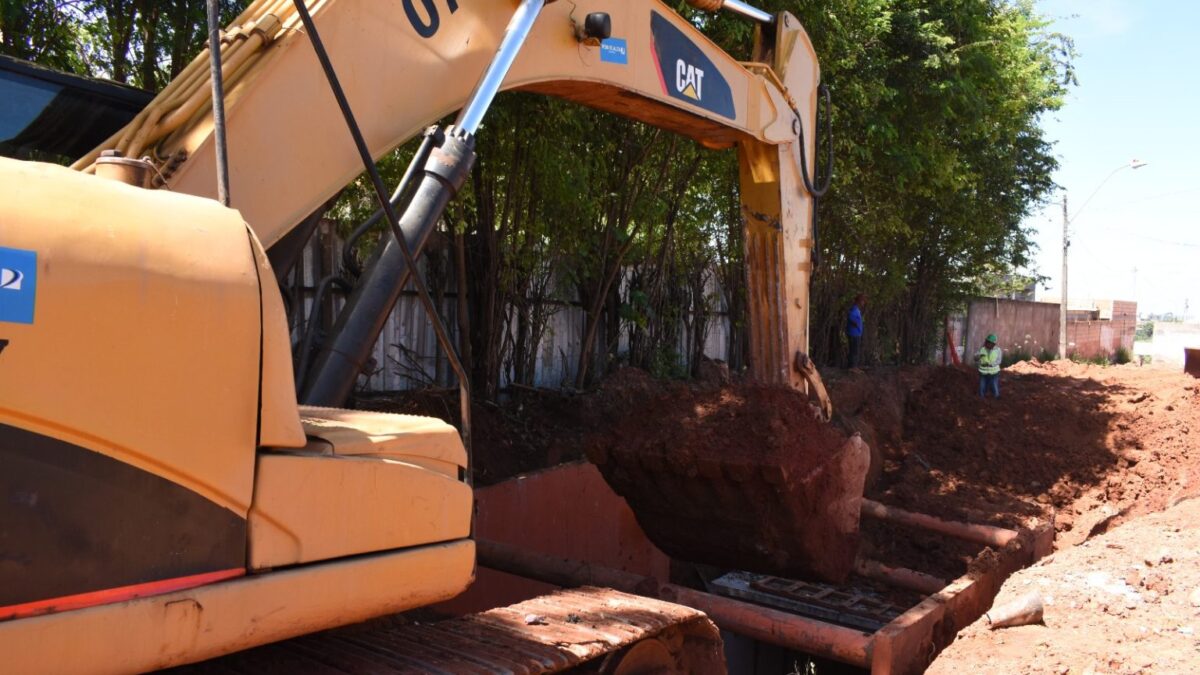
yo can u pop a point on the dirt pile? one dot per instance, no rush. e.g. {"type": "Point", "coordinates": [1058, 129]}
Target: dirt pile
{"type": "Point", "coordinates": [1125, 602]}
{"type": "Point", "coordinates": [733, 475]}
{"type": "Point", "coordinates": [872, 405]}
{"type": "Point", "coordinates": [1089, 446]}
{"type": "Point", "coordinates": [737, 476]}
{"type": "Point", "coordinates": [1085, 445]}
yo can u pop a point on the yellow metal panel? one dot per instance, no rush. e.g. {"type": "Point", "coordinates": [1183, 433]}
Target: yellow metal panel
{"type": "Point", "coordinates": [145, 342]}
{"type": "Point", "coordinates": [290, 151]}
{"type": "Point", "coordinates": [796, 63]}
{"type": "Point", "coordinates": [761, 196]}
{"type": "Point", "coordinates": [168, 630]}
{"type": "Point", "coordinates": [317, 507]}
{"type": "Point", "coordinates": [777, 216]}
{"type": "Point", "coordinates": [280, 421]}
{"type": "Point", "coordinates": [404, 437]}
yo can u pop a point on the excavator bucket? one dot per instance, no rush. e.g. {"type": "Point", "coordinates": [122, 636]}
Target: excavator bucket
{"type": "Point", "coordinates": [742, 477]}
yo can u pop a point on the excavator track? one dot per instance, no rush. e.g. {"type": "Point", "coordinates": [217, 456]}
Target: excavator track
{"type": "Point", "coordinates": [581, 630]}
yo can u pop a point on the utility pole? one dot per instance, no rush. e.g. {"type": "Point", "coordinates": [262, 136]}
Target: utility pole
{"type": "Point", "coordinates": [1062, 310]}
{"type": "Point", "coordinates": [1062, 307]}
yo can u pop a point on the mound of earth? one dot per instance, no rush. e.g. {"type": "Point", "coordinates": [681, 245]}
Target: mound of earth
{"type": "Point", "coordinates": [737, 476]}
{"type": "Point", "coordinates": [1086, 446]}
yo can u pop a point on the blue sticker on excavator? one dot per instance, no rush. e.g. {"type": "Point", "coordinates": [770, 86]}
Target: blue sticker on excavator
{"type": "Point", "coordinates": [686, 72]}
{"type": "Point", "coordinates": [18, 285]}
{"type": "Point", "coordinates": [614, 50]}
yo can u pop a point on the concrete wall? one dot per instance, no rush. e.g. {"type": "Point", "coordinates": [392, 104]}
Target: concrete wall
{"type": "Point", "coordinates": [1170, 339]}
{"type": "Point", "coordinates": [1019, 325]}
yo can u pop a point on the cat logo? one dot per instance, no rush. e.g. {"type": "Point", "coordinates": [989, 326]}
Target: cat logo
{"type": "Point", "coordinates": [10, 280]}
{"type": "Point", "coordinates": [689, 80]}
{"type": "Point", "coordinates": [685, 70]}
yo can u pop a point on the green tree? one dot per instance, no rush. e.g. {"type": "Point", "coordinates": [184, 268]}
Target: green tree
{"type": "Point", "coordinates": [140, 42]}
{"type": "Point", "coordinates": [43, 31]}
{"type": "Point", "coordinates": [940, 156]}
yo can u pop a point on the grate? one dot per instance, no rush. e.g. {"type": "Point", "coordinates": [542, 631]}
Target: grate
{"type": "Point", "coordinates": [847, 606]}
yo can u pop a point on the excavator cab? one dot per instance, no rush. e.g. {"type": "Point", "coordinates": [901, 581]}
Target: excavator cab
{"type": "Point", "coordinates": [171, 496]}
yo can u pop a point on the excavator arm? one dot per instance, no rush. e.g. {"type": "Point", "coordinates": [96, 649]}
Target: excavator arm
{"type": "Point", "coordinates": [405, 67]}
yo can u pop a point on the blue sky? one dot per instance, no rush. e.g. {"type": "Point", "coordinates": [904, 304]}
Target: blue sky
{"type": "Point", "coordinates": [1138, 97]}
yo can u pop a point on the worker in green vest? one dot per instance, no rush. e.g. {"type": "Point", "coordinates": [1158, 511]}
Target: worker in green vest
{"type": "Point", "coordinates": [988, 360]}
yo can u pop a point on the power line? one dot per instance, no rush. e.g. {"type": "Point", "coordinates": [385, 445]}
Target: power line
{"type": "Point", "coordinates": [1164, 241]}
{"type": "Point", "coordinates": [1145, 276]}
{"type": "Point", "coordinates": [1163, 195]}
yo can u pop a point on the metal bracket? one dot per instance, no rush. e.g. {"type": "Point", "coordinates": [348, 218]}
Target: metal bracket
{"type": "Point", "coordinates": [805, 367]}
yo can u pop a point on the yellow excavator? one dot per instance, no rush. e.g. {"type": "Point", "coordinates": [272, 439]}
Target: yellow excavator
{"type": "Point", "coordinates": [168, 494]}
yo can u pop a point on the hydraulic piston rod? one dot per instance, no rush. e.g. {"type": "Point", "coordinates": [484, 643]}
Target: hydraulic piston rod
{"type": "Point", "coordinates": [348, 347]}
{"type": "Point", "coordinates": [735, 6]}
{"type": "Point", "coordinates": [485, 91]}
{"type": "Point", "coordinates": [739, 7]}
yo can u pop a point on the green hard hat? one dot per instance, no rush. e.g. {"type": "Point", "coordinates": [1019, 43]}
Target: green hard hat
{"type": "Point", "coordinates": [992, 338]}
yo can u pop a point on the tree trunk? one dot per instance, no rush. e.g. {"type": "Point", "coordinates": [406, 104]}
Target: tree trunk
{"type": "Point", "coordinates": [464, 311]}
{"type": "Point", "coordinates": [149, 12]}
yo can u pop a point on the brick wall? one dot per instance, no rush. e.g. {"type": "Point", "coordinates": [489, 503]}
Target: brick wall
{"type": "Point", "coordinates": [1096, 338]}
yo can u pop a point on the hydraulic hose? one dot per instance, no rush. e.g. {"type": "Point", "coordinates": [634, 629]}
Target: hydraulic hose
{"type": "Point", "coordinates": [817, 191]}
{"type": "Point", "coordinates": [218, 100]}
{"type": "Point", "coordinates": [398, 199]}
{"type": "Point", "coordinates": [310, 328]}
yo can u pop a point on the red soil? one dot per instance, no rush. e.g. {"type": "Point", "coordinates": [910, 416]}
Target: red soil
{"type": "Point", "coordinates": [737, 476]}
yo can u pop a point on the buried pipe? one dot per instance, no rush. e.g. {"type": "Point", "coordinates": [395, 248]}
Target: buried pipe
{"type": "Point", "coordinates": [760, 623]}
{"type": "Point", "coordinates": [996, 537]}
{"type": "Point", "coordinates": [900, 577]}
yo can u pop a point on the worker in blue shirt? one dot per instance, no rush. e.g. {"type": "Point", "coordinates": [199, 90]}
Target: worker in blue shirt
{"type": "Point", "coordinates": [854, 329]}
